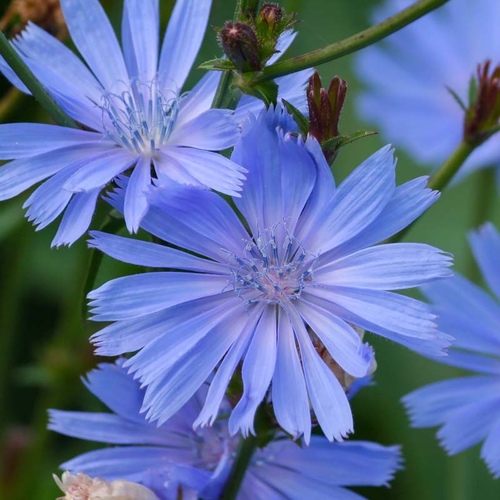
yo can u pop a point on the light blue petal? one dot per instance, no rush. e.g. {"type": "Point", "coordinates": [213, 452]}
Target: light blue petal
{"type": "Point", "coordinates": [340, 340]}
{"type": "Point", "coordinates": [209, 169]}
{"type": "Point", "coordinates": [485, 244]}
{"type": "Point", "coordinates": [327, 397]}
{"type": "Point", "coordinates": [136, 203]}
{"type": "Point", "coordinates": [104, 428]}
{"type": "Point", "coordinates": [479, 363]}
{"type": "Point", "coordinates": [21, 174]}
{"type": "Point", "coordinates": [458, 293]}
{"type": "Point", "coordinates": [199, 99]}
{"type": "Point", "coordinates": [178, 338]}
{"type": "Point", "coordinates": [222, 377]}
{"type": "Point", "coordinates": [185, 32]}
{"type": "Point", "coordinates": [140, 38]}
{"type": "Point", "coordinates": [24, 140]}
{"type": "Point", "coordinates": [76, 219]}
{"type": "Point", "coordinates": [409, 201]}
{"type": "Point", "coordinates": [133, 296]}
{"type": "Point", "coordinates": [147, 254]}
{"type": "Point", "coordinates": [132, 335]}
{"type": "Point", "coordinates": [435, 403]}
{"type": "Point", "coordinates": [125, 462]}
{"type": "Point", "coordinates": [169, 393]}
{"type": "Point", "coordinates": [12, 77]}
{"type": "Point", "coordinates": [257, 372]}
{"type": "Point", "coordinates": [490, 452]}
{"type": "Point", "coordinates": [468, 425]}
{"type": "Point", "coordinates": [357, 202]}
{"type": "Point", "coordinates": [289, 392]}
{"type": "Point", "coordinates": [197, 220]}
{"type": "Point", "coordinates": [95, 39]}
{"type": "Point", "coordinates": [100, 170]}
{"type": "Point", "coordinates": [214, 130]}
{"type": "Point", "coordinates": [386, 267]}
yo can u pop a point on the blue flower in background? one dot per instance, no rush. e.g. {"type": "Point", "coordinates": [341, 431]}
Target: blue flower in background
{"type": "Point", "coordinates": [132, 104]}
{"type": "Point", "coordinates": [173, 458]}
{"type": "Point", "coordinates": [282, 292]}
{"type": "Point", "coordinates": [467, 408]}
{"type": "Point", "coordinates": [408, 75]}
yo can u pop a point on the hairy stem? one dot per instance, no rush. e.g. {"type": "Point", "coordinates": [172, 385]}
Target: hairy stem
{"type": "Point", "coordinates": [350, 44]}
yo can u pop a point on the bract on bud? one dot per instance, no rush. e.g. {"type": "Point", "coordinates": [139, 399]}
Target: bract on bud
{"type": "Point", "coordinates": [240, 44]}
{"type": "Point", "coordinates": [483, 113]}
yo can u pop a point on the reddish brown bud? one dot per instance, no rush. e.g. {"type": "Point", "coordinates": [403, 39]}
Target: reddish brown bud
{"type": "Point", "coordinates": [240, 44]}
{"type": "Point", "coordinates": [324, 111]}
{"type": "Point", "coordinates": [482, 116]}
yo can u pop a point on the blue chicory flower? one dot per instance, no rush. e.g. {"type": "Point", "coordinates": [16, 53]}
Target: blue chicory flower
{"type": "Point", "coordinates": [281, 292]}
{"type": "Point", "coordinates": [174, 458]}
{"type": "Point", "coordinates": [467, 408]}
{"type": "Point", "coordinates": [408, 77]}
{"type": "Point", "coordinates": [132, 105]}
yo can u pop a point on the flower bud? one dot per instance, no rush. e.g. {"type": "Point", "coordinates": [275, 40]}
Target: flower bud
{"type": "Point", "coordinates": [240, 44]}
{"type": "Point", "coordinates": [324, 111]}
{"type": "Point", "coordinates": [271, 15]}
{"type": "Point", "coordinates": [483, 114]}
{"type": "Point", "coordinates": [83, 487]}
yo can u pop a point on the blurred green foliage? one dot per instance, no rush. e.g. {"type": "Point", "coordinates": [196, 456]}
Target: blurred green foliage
{"type": "Point", "coordinates": [44, 347]}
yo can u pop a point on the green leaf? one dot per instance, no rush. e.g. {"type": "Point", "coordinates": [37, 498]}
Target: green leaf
{"type": "Point", "coordinates": [266, 91]}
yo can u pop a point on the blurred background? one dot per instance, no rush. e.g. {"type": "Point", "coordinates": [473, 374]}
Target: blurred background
{"type": "Point", "coordinates": [44, 347]}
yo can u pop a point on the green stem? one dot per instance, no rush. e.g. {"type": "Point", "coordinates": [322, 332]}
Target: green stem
{"type": "Point", "coordinates": [449, 168]}
{"type": "Point", "coordinates": [440, 179]}
{"type": "Point", "coordinates": [245, 453]}
{"type": "Point", "coordinates": [37, 89]}
{"type": "Point", "coordinates": [350, 44]}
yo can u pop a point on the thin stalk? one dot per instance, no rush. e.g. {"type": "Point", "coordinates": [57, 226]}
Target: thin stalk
{"type": "Point", "coordinates": [440, 179]}
{"type": "Point", "coordinates": [240, 465]}
{"type": "Point", "coordinates": [37, 89]}
{"type": "Point", "coordinates": [350, 44]}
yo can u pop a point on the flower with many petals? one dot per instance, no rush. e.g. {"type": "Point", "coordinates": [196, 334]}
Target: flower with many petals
{"type": "Point", "coordinates": [135, 117]}
{"type": "Point", "coordinates": [280, 292]}
{"type": "Point", "coordinates": [409, 76]}
{"type": "Point", "coordinates": [467, 408]}
{"type": "Point", "coordinates": [175, 461]}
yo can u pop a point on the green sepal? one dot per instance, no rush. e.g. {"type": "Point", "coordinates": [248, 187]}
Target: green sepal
{"type": "Point", "coordinates": [218, 65]}
{"type": "Point", "coordinates": [265, 91]}
{"type": "Point", "coordinates": [343, 140]}
{"type": "Point", "coordinates": [457, 99]}
{"type": "Point", "coordinates": [300, 119]}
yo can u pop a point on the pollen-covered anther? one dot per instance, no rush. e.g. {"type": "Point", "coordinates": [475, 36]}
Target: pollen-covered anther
{"type": "Point", "coordinates": [140, 118]}
{"type": "Point", "coordinates": [274, 268]}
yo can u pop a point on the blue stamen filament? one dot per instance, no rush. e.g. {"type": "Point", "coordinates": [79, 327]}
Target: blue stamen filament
{"type": "Point", "coordinates": [271, 272]}
{"type": "Point", "coordinates": [140, 119]}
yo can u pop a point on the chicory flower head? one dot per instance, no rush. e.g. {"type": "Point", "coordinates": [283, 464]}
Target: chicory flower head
{"type": "Point", "coordinates": [467, 408]}
{"type": "Point", "coordinates": [281, 292]}
{"type": "Point", "coordinates": [408, 78]}
{"type": "Point", "coordinates": [173, 458]}
{"type": "Point", "coordinates": [130, 103]}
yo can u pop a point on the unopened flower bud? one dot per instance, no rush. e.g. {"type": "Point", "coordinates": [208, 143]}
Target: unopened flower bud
{"type": "Point", "coordinates": [324, 111]}
{"type": "Point", "coordinates": [270, 14]}
{"type": "Point", "coordinates": [483, 113]}
{"type": "Point", "coordinates": [83, 487]}
{"type": "Point", "coordinates": [240, 44]}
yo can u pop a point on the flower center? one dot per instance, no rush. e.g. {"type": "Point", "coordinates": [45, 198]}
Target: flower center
{"type": "Point", "coordinates": [140, 118]}
{"type": "Point", "coordinates": [274, 268]}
